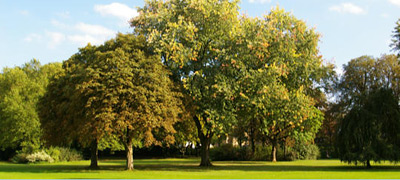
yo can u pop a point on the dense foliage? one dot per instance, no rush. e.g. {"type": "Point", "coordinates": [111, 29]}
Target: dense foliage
{"type": "Point", "coordinates": [20, 90]}
{"type": "Point", "coordinates": [244, 71]}
{"type": "Point", "coordinates": [197, 75]}
{"type": "Point", "coordinates": [369, 95]}
{"type": "Point", "coordinates": [115, 90]}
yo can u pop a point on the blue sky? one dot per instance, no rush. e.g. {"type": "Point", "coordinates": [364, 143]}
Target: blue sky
{"type": "Point", "coordinates": [52, 31]}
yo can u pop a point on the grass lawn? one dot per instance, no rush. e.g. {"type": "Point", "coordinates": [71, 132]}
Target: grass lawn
{"type": "Point", "coordinates": [188, 168]}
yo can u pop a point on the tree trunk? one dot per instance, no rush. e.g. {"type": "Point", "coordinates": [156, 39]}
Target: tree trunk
{"type": "Point", "coordinates": [205, 152]}
{"type": "Point", "coordinates": [94, 155]}
{"type": "Point", "coordinates": [284, 152]}
{"type": "Point", "coordinates": [252, 143]}
{"type": "Point", "coordinates": [273, 152]}
{"type": "Point", "coordinates": [205, 140]}
{"type": "Point", "coordinates": [368, 164]}
{"type": "Point", "coordinates": [129, 155]}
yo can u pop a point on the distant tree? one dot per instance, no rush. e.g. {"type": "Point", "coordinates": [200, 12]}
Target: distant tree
{"type": "Point", "coordinates": [369, 92]}
{"type": "Point", "coordinates": [369, 132]}
{"type": "Point", "coordinates": [396, 38]}
{"type": "Point", "coordinates": [327, 135]}
{"type": "Point", "coordinates": [20, 90]}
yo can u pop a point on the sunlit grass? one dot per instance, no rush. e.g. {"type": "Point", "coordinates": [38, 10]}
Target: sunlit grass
{"type": "Point", "coordinates": [188, 169]}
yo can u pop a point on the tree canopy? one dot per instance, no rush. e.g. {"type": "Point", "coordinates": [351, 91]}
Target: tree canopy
{"type": "Point", "coordinates": [192, 38]}
{"type": "Point", "coordinates": [116, 90]}
{"type": "Point", "coordinates": [20, 90]}
{"type": "Point", "coordinates": [369, 94]}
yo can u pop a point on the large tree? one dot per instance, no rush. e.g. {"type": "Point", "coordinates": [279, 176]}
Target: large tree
{"type": "Point", "coordinates": [369, 92]}
{"type": "Point", "coordinates": [192, 39]}
{"type": "Point", "coordinates": [279, 65]}
{"type": "Point", "coordinates": [20, 90]}
{"type": "Point", "coordinates": [115, 90]}
{"type": "Point", "coordinates": [369, 132]}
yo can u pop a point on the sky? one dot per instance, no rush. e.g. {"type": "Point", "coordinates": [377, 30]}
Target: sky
{"type": "Point", "coordinates": [52, 31]}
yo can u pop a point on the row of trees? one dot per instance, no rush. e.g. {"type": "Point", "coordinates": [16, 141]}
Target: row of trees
{"type": "Point", "coordinates": [256, 74]}
{"type": "Point", "coordinates": [20, 90]}
{"type": "Point", "coordinates": [188, 62]}
{"type": "Point", "coordinates": [199, 64]}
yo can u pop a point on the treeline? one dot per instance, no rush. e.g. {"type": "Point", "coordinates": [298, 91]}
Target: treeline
{"type": "Point", "coordinates": [197, 73]}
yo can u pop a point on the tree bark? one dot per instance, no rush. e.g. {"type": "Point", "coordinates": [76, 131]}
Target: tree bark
{"type": "Point", "coordinates": [205, 152]}
{"type": "Point", "coordinates": [94, 155]}
{"type": "Point", "coordinates": [252, 143]}
{"type": "Point", "coordinates": [368, 164]}
{"type": "Point", "coordinates": [205, 140]}
{"type": "Point", "coordinates": [129, 155]}
{"type": "Point", "coordinates": [273, 152]}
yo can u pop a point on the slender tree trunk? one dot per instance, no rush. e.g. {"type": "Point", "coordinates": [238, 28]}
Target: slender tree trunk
{"type": "Point", "coordinates": [252, 143]}
{"type": "Point", "coordinates": [205, 152]}
{"type": "Point", "coordinates": [368, 164]}
{"type": "Point", "coordinates": [284, 152]}
{"type": "Point", "coordinates": [273, 152]}
{"type": "Point", "coordinates": [94, 155]}
{"type": "Point", "coordinates": [129, 155]}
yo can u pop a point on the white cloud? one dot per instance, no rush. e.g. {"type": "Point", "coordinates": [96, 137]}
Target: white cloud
{"type": "Point", "coordinates": [32, 37]}
{"type": "Point", "coordinates": [56, 38]}
{"type": "Point", "coordinates": [24, 12]}
{"type": "Point", "coordinates": [260, 1]}
{"type": "Point", "coordinates": [65, 14]}
{"type": "Point", "coordinates": [348, 8]}
{"type": "Point", "coordinates": [59, 24]}
{"type": "Point", "coordinates": [94, 29]}
{"type": "Point", "coordinates": [385, 15]}
{"type": "Point", "coordinates": [121, 11]}
{"type": "Point", "coordinates": [89, 33]}
{"type": "Point", "coordinates": [395, 2]}
{"type": "Point", "coordinates": [83, 40]}
{"type": "Point", "coordinates": [79, 33]}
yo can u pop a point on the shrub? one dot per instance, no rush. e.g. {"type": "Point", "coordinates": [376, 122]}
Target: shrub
{"type": "Point", "coordinates": [223, 153]}
{"type": "Point", "coordinates": [64, 154]}
{"type": "Point", "coordinates": [227, 152]}
{"type": "Point", "coordinates": [20, 158]}
{"type": "Point", "coordinates": [305, 151]}
{"type": "Point", "coordinates": [261, 153]}
{"type": "Point", "coordinates": [39, 157]}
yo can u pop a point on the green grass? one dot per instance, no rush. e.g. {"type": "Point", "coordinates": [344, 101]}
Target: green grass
{"type": "Point", "coordinates": [188, 168]}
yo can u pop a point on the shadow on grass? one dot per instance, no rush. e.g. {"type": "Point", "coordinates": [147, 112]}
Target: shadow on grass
{"type": "Point", "coordinates": [188, 166]}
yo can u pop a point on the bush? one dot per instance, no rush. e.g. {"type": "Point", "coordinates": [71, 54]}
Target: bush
{"type": "Point", "coordinates": [20, 158]}
{"type": "Point", "coordinates": [52, 154]}
{"type": "Point", "coordinates": [261, 153]}
{"type": "Point", "coordinates": [305, 151]}
{"type": "Point", "coordinates": [224, 152]}
{"type": "Point", "coordinates": [39, 157]}
{"type": "Point", "coordinates": [64, 154]}
{"type": "Point", "coordinates": [227, 152]}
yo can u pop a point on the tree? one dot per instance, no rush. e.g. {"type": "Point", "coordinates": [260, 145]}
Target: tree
{"type": "Point", "coordinates": [278, 66]}
{"type": "Point", "coordinates": [370, 131]}
{"type": "Point", "coordinates": [20, 90]}
{"type": "Point", "coordinates": [396, 38]}
{"type": "Point", "coordinates": [368, 96]}
{"type": "Point", "coordinates": [192, 39]}
{"type": "Point", "coordinates": [116, 90]}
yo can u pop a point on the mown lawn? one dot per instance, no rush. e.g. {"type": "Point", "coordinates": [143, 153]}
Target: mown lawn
{"type": "Point", "coordinates": [188, 169]}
